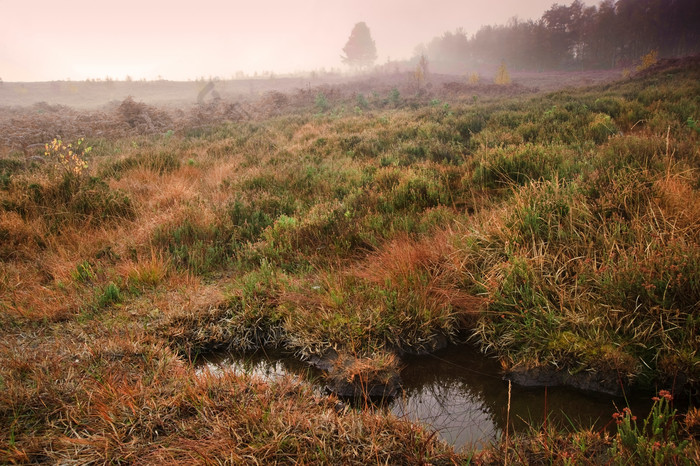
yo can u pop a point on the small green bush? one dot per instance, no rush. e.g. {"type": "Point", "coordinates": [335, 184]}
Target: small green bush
{"type": "Point", "coordinates": [321, 102]}
{"type": "Point", "coordinates": [601, 128]}
{"type": "Point", "coordinates": [84, 273]}
{"type": "Point", "coordinates": [110, 294]}
{"type": "Point", "coordinates": [658, 441]}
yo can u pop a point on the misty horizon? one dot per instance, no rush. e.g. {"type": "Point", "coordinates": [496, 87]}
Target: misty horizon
{"type": "Point", "coordinates": [78, 40]}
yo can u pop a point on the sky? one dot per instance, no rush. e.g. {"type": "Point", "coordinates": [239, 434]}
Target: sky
{"type": "Point", "coordinates": [179, 40]}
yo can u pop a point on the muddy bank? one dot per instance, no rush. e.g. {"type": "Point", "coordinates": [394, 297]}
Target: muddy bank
{"type": "Point", "coordinates": [609, 383]}
{"type": "Point", "coordinates": [355, 377]}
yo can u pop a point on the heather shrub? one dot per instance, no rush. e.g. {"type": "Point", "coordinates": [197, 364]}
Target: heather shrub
{"type": "Point", "coordinates": [497, 168]}
{"type": "Point", "coordinates": [70, 200]}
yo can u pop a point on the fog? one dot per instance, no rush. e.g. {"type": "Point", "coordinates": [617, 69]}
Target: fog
{"type": "Point", "coordinates": [79, 39]}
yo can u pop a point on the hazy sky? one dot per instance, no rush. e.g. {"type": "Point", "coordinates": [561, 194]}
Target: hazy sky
{"type": "Point", "coordinates": [79, 39]}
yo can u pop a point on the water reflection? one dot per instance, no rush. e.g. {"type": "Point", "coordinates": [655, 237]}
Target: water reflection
{"type": "Point", "coordinates": [447, 391]}
{"type": "Point", "coordinates": [268, 365]}
{"type": "Point", "coordinates": [458, 392]}
{"type": "Point", "coordinates": [461, 393]}
{"type": "Point", "coordinates": [459, 416]}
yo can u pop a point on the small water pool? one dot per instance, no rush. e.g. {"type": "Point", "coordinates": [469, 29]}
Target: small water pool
{"type": "Point", "coordinates": [458, 392]}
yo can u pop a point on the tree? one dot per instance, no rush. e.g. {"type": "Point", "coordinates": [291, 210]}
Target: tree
{"type": "Point", "coordinates": [559, 22]}
{"type": "Point", "coordinates": [503, 76]}
{"type": "Point", "coordinates": [360, 50]}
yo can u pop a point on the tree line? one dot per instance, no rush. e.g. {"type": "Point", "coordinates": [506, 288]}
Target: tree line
{"type": "Point", "coordinates": [614, 33]}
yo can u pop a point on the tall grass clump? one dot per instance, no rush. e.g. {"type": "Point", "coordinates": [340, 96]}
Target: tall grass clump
{"type": "Point", "coordinates": [66, 196]}
{"type": "Point", "coordinates": [196, 245]}
{"type": "Point", "coordinates": [499, 168]}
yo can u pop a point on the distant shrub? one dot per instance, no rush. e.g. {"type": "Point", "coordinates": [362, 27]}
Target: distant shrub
{"type": "Point", "coordinates": [502, 76]}
{"type": "Point", "coordinates": [362, 101]}
{"type": "Point", "coordinates": [420, 74]}
{"type": "Point", "coordinates": [395, 97]}
{"type": "Point", "coordinates": [143, 118]}
{"type": "Point", "coordinates": [70, 157]}
{"type": "Point", "coordinates": [321, 102]}
{"type": "Point", "coordinates": [423, 65]}
{"type": "Point", "coordinates": [649, 60]}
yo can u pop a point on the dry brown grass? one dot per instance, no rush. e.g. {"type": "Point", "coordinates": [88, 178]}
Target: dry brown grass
{"type": "Point", "coordinates": [111, 396]}
{"type": "Point", "coordinates": [429, 269]}
{"type": "Point", "coordinates": [19, 236]}
{"type": "Point", "coordinates": [28, 296]}
{"type": "Point", "coordinates": [680, 204]}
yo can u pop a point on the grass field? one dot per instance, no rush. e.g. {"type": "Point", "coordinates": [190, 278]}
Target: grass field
{"type": "Point", "coordinates": [559, 231]}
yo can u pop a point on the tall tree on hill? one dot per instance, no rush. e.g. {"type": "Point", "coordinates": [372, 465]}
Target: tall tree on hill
{"type": "Point", "coordinates": [360, 50]}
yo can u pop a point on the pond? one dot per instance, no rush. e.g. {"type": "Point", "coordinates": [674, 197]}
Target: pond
{"type": "Point", "coordinates": [458, 392]}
